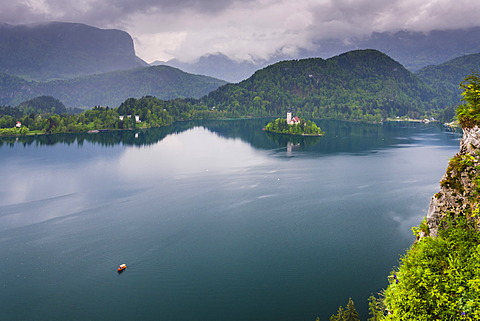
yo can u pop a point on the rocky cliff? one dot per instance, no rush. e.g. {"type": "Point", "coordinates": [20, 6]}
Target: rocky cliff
{"type": "Point", "coordinates": [460, 186]}
{"type": "Point", "coordinates": [439, 276]}
{"type": "Point", "coordinates": [64, 50]}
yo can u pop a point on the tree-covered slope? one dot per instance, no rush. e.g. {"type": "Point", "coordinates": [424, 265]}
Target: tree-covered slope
{"type": "Point", "coordinates": [110, 89]}
{"type": "Point", "coordinates": [42, 105]}
{"type": "Point", "coordinates": [14, 90]}
{"type": "Point", "coordinates": [64, 50]}
{"type": "Point", "coordinates": [446, 77]}
{"type": "Point", "coordinates": [358, 85]}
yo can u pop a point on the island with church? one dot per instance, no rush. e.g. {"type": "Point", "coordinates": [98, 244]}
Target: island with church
{"type": "Point", "coordinates": [294, 126]}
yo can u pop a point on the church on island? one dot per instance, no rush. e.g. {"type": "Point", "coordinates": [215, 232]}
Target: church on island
{"type": "Point", "coordinates": [292, 121]}
{"type": "Point", "coordinates": [293, 126]}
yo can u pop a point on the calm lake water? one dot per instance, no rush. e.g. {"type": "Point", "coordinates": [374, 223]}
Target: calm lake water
{"type": "Point", "coordinates": [215, 220]}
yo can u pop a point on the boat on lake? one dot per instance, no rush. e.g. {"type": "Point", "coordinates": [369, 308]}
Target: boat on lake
{"type": "Point", "coordinates": [121, 268]}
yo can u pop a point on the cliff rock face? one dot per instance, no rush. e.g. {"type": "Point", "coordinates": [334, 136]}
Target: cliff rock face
{"type": "Point", "coordinates": [459, 192]}
{"type": "Point", "coordinates": [64, 50]}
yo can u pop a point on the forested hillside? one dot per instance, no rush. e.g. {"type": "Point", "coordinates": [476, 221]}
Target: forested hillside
{"type": "Point", "coordinates": [358, 85]}
{"type": "Point", "coordinates": [110, 89]}
{"type": "Point", "coordinates": [14, 90]}
{"type": "Point", "coordinates": [446, 77]}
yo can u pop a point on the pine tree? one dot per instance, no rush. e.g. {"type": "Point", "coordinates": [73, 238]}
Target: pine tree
{"type": "Point", "coordinates": [348, 314]}
{"type": "Point", "coordinates": [351, 313]}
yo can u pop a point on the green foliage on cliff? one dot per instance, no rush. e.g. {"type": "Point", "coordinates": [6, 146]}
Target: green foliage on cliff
{"type": "Point", "coordinates": [462, 166]}
{"type": "Point", "coordinates": [438, 278]}
{"type": "Point", "coordinates": [469, 113]}
{"type": "Point", "coordinates": [304, 127]}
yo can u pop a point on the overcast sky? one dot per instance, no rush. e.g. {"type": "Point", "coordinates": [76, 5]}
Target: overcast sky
{"type": "Point", "coordinates": [243, 29]}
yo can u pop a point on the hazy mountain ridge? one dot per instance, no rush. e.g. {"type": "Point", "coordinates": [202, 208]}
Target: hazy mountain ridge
{"type": "Point", "coordinates": [414, 50]}
{"type": "Point", "coordinates": [14, 90]}
{"type": "Point", "coordinates": [59, 50]}
{"type": "Point", "coordinates": [349, 78]}
{"type": "Point", "coordinates": [446, 77]}
{"type": "Point", "coordinates": [110, 89]}
{"type": "Point", "coordinates": [219, 65]}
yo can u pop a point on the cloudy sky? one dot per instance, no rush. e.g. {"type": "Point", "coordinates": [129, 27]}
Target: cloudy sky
{"type": "Point", "coordinates": [244, 30]}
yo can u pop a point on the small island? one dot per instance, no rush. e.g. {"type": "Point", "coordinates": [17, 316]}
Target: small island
{"type": "Point", "coordinates": [294, 126]}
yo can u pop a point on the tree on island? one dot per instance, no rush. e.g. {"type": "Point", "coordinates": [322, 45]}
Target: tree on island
{"type": "Point", "coordinates": [300, 127]}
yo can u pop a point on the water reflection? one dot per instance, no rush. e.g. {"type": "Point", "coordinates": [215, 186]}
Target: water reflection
{"type": "Point", "coordinates": [293, 142]}
{"type": "Point", "coordinates": [111, 138]}
{"type": "Point", "coordinates": [196, 152]}
{"type": "Point", "coordinates": [340, 136]}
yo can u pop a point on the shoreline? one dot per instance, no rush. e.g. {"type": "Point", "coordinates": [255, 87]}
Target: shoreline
{"type": "Point", "coordinates": [96, 131]}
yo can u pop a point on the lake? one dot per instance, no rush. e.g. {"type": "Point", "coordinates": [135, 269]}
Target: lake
{"type": "Point", "coordinates": [216, 220]}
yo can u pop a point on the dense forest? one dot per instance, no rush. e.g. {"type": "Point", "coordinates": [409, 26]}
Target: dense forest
{"type": "Point", "coordinates": [445, 78]}
{"type": "Point", "coordinates": [358, 85]}
{"type": "Point", "coordinates": [50, 115]}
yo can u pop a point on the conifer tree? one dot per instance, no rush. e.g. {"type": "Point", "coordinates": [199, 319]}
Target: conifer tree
{"type": "Point", "coordinates": [348, 314]}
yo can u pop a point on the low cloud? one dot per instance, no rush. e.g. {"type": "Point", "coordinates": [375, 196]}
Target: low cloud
{"type": "Point", "coordinates": [245, 30]}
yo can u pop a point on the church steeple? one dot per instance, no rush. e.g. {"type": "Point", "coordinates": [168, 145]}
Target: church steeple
{"type": "Point", "coordinates": [289, 117]}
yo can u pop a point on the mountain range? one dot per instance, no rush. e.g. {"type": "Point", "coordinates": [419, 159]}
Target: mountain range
{"type": "Point", "coordinates": [355, 84]}
{"type": "Point", "coordinates": [218, 66]}
{"type": "Point", "coordinates": [110, 89]}
{"type": "Point", "coordinates": [360, 84]}
{"type": "Point", "coordinates": [414, 50]}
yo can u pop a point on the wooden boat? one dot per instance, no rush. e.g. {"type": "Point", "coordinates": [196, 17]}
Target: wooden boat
{"type": "Point", "coordinates": [121, 267]}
